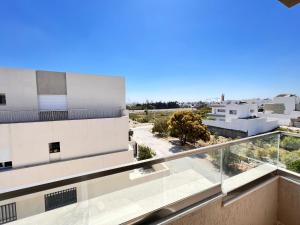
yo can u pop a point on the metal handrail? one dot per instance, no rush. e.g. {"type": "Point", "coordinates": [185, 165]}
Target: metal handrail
{"type": "Point", "coordinates": [15, 116]}
{"type": "Point", "coordinates": [123, 168]}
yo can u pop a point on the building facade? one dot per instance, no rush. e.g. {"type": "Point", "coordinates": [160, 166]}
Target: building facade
{"type": "Point", "coordinates": [285, 108]}
{"type": "Point", "coordinates": [56, 116]}
{"type": "Point", "coordinates": [234, 118]}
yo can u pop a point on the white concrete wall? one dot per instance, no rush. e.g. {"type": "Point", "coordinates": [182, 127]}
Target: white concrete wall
{"type": "Point", "coordinates": [252, 126]}
{"type": "Point", "coordinates": [28, 142]}
{"type": "Point", "coordinates": [95, 92]}
{"type": "Point", "coordinates": [19, 86]}
{"type": "Point", "coordinates": [84, 91]}
{"type": "Point", "coordinates": [215, 110]}
{"type": "Point", "coordinates": [289, 103]}
{"type": "Point", "coordinates": [5, 148]}
{"type": "Point", "coordinates": [243, 111]}
{"type": "Point", "coordinates": [30, 176]}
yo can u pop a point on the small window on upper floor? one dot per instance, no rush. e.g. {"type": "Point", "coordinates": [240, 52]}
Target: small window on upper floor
{"type": "Point", "coordinates": [2, 99]}
{"type": "Point", "coordinates": [6, 165]}
{"type": "Point", "coordinates": [232, 112]}
{"type": "Point", "coordinates": [221, 110]}
{"type": "Point", "coordinates": [54, 147]}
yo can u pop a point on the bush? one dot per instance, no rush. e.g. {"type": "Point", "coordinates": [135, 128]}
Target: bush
{"type": "Point", "coordinates": [144, 152]}
{"type": "Point", "coordinates": [290, 143]}
{"type": "Point", "coordinates": [294, 166]}
{"type": "Point", "coordinates": [161, 126]}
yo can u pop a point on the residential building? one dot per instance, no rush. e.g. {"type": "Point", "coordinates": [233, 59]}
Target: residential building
{"type": "Point", "coordinates": [236, 118]}
{"type": "Point", "coordinates": [285, 108]}
{"type": "Point", "coordinates": [55, 120]}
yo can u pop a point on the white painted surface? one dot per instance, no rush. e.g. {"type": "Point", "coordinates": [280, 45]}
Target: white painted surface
{"type": "Point", "coordinates": [289, 103]}
{"type": "Point", "coordinates": [84, 91]}
{"type": "Point", "coordinates": [30, 176]}
{"type": "Point", "coordinates": [95, 92]}
{"type": "Point", "coordinates": [240, 121]}
{"type": "Point", "coordinates": [242, 111]}
{"type": "Point", "coordinates": [5, 153]}
{"type": "Point", "coordinates": [19, 86]}
{"type": "Point", "coordinates": [282, 119]}
{"type": "Point", "coordinates": [252, 126]}
{"type": "Point", "coordinates": [28, 142]}
{"type": "Point", "coordinates": [53, 102]}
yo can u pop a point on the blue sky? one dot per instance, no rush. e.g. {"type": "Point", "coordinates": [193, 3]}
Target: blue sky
{"type": "Point", "coordinates": [166, 49]}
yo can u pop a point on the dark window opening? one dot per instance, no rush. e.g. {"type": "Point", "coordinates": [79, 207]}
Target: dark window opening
{"type": "Point", "coordinates": [60, 199]}
{"type": "Point", "coordinates": [6, 165]}
{"type": "Point", "coordinates": [232, 112]}
{"type": "Point", "coordinates": [54, 147]}
{"type": "Point", "coordinates": [2, 99]}
{"type": "Point", "coordinates": [8, 213]}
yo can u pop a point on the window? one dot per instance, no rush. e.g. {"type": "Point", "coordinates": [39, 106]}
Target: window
{"type": "Point", "coordinates": [221, 110]}
{"type": "Point", "coordinates": [232, 112]}
{"type": "Point", "coordinates": [60, 199]}
{"type": "Point", "coordinates": [54, 147]}
{"type": "Point", "coordinates": [251, 110]}
{"type": "Point", "coordinates": [5, 165]}
{"type": "Point", "coordinates": [2, 99]}
{"type": "Point", "coordinates": [8, 213]}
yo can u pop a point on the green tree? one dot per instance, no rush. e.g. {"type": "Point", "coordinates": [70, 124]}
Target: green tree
{"type": "Point", "coordinates": [161, 126]}
{"type": "Point", "coordinates": [144, 152]}
{"type": "Point", "coordinates": [188, 126]}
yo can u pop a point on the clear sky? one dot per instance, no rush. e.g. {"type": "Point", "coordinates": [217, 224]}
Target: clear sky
{"type": "Point", "coordinates": [166, 49]}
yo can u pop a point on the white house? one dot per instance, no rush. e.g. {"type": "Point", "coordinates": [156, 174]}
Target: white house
{"type": "Point", "coordinates": [58, 117]}
{"type": "Point", "coordinates": [235, 118]}
{"type": "Point", "coordinates": [285, 108]}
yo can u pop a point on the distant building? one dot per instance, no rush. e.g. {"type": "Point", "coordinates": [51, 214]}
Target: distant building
{"type": "Point", "coordinates": [222, 98]}
{"type": "Point", "coordinates": [236, 118]}
{"type": "Point", "coordinates": [285, 108]}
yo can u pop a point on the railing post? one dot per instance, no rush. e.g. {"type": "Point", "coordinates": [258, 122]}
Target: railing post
{"type": "Point", "coordinates": [278, 149]}
{"type": "Point", "coordinates": [11, 116]}
{"type": "Point", "coordinates": [221, 166]}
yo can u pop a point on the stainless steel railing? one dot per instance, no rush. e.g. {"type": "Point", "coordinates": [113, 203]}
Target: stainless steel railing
{"type": "Point", "coordinates": [11, 116]}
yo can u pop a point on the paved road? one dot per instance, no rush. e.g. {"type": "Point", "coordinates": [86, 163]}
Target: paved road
{"type": "Point", "coordinates": [143, 135]}
{"type": "Point", "coordinates": [200, 163]}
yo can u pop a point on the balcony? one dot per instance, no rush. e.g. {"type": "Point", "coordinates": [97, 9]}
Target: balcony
{"type": "Point", "coordinates": [11, 116]}
{"type": "Point", "coordinates": [247, 181]}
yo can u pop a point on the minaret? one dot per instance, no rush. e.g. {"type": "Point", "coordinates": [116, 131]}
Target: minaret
{"type": "Point", "coordinates": [222, 98]}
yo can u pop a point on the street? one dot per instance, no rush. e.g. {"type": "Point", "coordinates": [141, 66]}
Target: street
{"type": "Point", "coordinates": [163, 148]}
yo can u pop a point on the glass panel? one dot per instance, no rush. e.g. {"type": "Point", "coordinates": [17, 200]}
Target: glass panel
{"type": "Point", "coordinates": [125, 196]}
{"type": "Point", "coordinates": [245, 162]}
{"type": "Point", "coordinates": [289, 153]}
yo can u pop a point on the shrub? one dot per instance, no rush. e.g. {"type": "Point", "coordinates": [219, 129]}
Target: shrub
{"type": "Point", "coordinates": [294, 166]}
{"type": "Point", "coordinates": [290, 143]}
{"type": "Point", "coordinates": [144, 152]}
{"type": "Point", "coordinates": [161, 126]}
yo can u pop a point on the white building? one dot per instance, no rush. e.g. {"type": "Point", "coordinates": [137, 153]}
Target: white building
{"type": "Point", "coordinates": [285, 108]}
{"type": "Point", "coordinates": [52, 119]}
{"type": "Point", "coordinates": [234, 118]}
